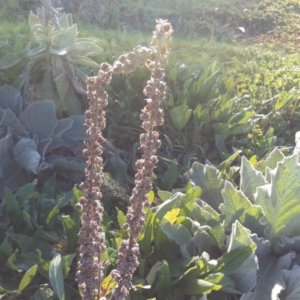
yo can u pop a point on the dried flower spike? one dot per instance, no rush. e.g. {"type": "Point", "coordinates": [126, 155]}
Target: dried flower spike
{"type": "Point", "coordinates": [151, 115]}
{"type": "Point", "coordinates": [91, 236]}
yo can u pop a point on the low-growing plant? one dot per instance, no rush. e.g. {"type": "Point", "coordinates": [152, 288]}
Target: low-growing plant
{"type": "Point", "coordinates": [55, 63]}
{"type": "Point", "coordinates": [38, 242]}
{"type": "Point", "coordinates": [33, 141]}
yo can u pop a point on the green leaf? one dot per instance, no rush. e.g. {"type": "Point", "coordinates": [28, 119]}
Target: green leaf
{"type": "Point", "coordinates": [236, 206]}
{"type": "Point", "coordinates": [12, 209]}
{"type": "Point", "coordinates": [174, 202]}
{"type": "Point", "coordinates": [56, 276]}
{"type": "Point", "coordinates": [280, 199]}
{"type": "Point", "coordinates": [29, 244]}
{"type": "Point", "coordinates": [176, 232]}
{"type": "Point", "coordinates": [66, 262]}
{"type": "Point", "coordinates": [170, 177]}
{"type": "Point", "coordinates": [71, 230]}
{"type": "Point", "coordinates": [270, 161]}
{"type": "Point", "coordinates": [5, 247]}
{"type": "Point", "coordinates": [180, 115]}
{"type": "Point", "coordinates": [271, 281]}
{"type": "Point", "coordinates": [227, 285]}
{"type": "Point", "coordinates": [51, 218]}
{"type": "Point", "coordinates": [194, 286]}
{"type": "Point", "coordinates": [220, 144]}
{"type": "Point", "coordinates": [146, 236]}
{"type": "Point", "coordinates": [39, 119]}
{"type": "Point", "coordinates": [107, 285]}
{"type": "Point", "coordinates": [86, 62]}
{"type": "Point", "coordinates": [26, 155]}
{"type": "Point", "coordinates": [119, 168]}
{"type": "Point", "coordinates": [240, 262]}
{"type": "Point", "coordinates": [209, 180]}
{"type": "Point", "coordinates": [291, 279]}
{"type": "Point", "coordinates": [76, 133]}
{"type": "Point", "coordinates": [27, 278]}
{"type": "Point", "coordinates": [251, 179]}
{"type": "Point", "coordinates": [68, 164]}
{"type": "Point", "coordinates": [63, 40]}
{"type": "Point", "coordinates": [121, 217]}
{"type": "Point", "coordinates": [10, 263]}
{"type": "Point", "coordinates": [10, 98]}
{"type": "Point", "coordinates": [87, 47]}
{"type": "Point", "coordinates": [9, 60]}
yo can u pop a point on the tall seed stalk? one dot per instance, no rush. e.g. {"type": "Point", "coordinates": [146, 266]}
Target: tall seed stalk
{"type": "Point", "coordinates": [91, 238]}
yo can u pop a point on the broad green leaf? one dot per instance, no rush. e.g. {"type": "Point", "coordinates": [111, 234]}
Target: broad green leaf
{"type": "Point", "coordinates": [240, 262]}
{"type": "Point", "coordinates": [66, 262]}
{"type": "Point", "coordinates": [86, 62]}
{"type": "Point", "coordinates": [170, 177]}
{"type": "Point", "coordinates": [26, 155]}
{"type": "Point", "coordinates": [222, 129]}
{"type": "Point", "coordinates": [220, 144]}
{"type": "Point", "coordinates": [9, 120]}
{"type": "Point", "coordinates": [39, 119]}
{"type": "Point", "coordinates": [285, 243]}
{"type": "Point", "coordinates": [9, 60]}
{"type": "Point", "coordinates": [224, 165]}
{"type": "Point", "coordinates": [240, 129]}
{"type": "Point", "coordinates": [209, 180]}
{"type": "Point", "coordinates": [236, 206]}
{"type": "Point", "coordinates": [250, 180]}
{"type": "Point", "coordinates": [13, 209]}
{"type": "Point", "coordinates": [28, 244]}
{"type": "Point", "coordinates": [154, 272]}
{"type": "Point", "coordinates": [51, 218]}
{"type": "Point", "coordinates": [121, 217]}
{"type": "Point", "coordinates": [68, 164]}
{"type": "Point", "coordinates": [194, 286]}
{"type": "Point", "coordinates": [228, 285]}
{"type": "Point", "coordinates": [164, 287]}
{"type": "Point", "coordinates": [26, 261]}
{"type": "Point", "coordinates": [270, 161]}
{"type": "Point", "coordinates": [11, 175]}
{"type": "Point", "coordinates": [10, 98]}
{"type": "Point", "coordinates": [56, 276]}
{"type": "Point", "coordinates": [146, 235]}
{"type": "Point", "coordinates": [25, 192]}
{"type": "Point", "coordinates": [44, 265]}
{"type": "Point", "coordinates": [10, 263]}
{"type": "Point", "coordinates": [76, 133]}
{"type": "Point", "coordinates": [119, 168]}
{"type": "Point", "coordinates": [71, 229]}
{"type": "Point", "coordinates": [176, 232]}
{"type": "Point", "coordinates": [35, 51]}
{"type": "Point", "coordinates": [61, 127]}
{"type": "Point", "coordinates": [5, 247]}
{"type": "Point", "coordinates": [107, 285]}
{"type": "Point", "coordinates": [173, 202]}
{"type": "Point", "coordinates": [243, 117]}
{"type": "Point", "coordinates": [60, 77]}
{"type": "Point", "coordinates": [64, 39]}
{"type": "Point", "coordinates": [280, 199]}
{"type": "Point", "coordinates": [172, 215]}
{"type": "Point", "coordinates": [271, 281]}
{"type": "Point", "coordinates": [201, 242]}
{"type": "Point", "coordinates": [291, 279]}
{"type": "Point", "coordinates": [180, 115]}
{"type": "Point", "coordinates": [27, 278]}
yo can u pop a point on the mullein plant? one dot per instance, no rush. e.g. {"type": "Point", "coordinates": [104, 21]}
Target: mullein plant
{"type": "Point", "coordinates": [91, 236]}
